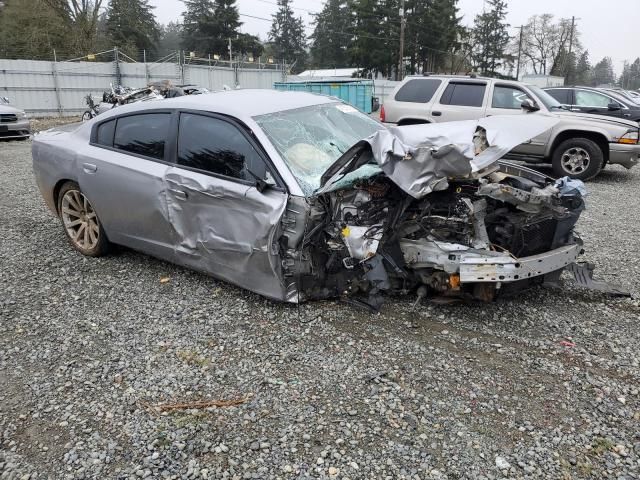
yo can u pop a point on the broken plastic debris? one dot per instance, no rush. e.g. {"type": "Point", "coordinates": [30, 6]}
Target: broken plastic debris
{"type": "Point", "coordinates": [567, 343]}
{"type": "Point", "coordinates": [164, 279]}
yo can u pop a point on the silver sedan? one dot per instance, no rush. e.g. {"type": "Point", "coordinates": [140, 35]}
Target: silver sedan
{"type": "Point", "coordinates": [297, 196]}
{"type": "Point", "coordinates": [13, 121]}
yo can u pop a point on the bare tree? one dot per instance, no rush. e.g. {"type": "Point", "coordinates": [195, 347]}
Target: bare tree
{"type": "Point", "coordinates": [82, 18]}
{"type": "Point", "coordinates": [546, 42]}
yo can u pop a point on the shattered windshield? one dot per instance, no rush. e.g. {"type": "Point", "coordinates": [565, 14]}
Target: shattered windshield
{"type": "Point", "coordinates": [310, 139]}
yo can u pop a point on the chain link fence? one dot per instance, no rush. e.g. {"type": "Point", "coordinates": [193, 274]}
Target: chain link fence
{"type": "Point", "coordinates": [46, 88]}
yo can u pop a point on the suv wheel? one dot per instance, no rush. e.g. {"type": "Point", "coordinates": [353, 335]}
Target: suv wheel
{"type": "Point", "coordinates": [579, 158]}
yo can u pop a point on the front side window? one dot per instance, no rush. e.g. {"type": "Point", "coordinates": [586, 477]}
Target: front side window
{"type": "Point", "coordinates": [510, 98]}
{"type": "Point", "coordinates": [585, 98]}
{"type": "Point", "coordinates": [418, 90]}
{"type": "Point", "coordinates": [144, 134]}
{"type": "Point", "coordinates": [464, 94]}
{"type": "Point", "coordinates": [216, 146]}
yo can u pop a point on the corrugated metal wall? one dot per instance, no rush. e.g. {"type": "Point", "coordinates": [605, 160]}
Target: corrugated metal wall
{"type": "Point", "coordinates": [45, 88]}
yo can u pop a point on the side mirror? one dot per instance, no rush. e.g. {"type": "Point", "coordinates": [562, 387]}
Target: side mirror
{"type": "Point", "coordinates": [529, 105]}
{"type": "Point", "coordinates": [263, 184]}
{"type": "Point", "coordinates": [613, 107]}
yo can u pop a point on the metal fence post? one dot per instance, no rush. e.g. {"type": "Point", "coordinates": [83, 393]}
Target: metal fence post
{"type": "Point", "coordinates": [146, 68]}
{"type": "Point", "coordinates": [116, 58]}
{"type": "Point", "coordinates": [236, 75]}
{"type": "Point", "coordinates": [182, 67]}
{"type": "Point", "coordinates": [56, 86]}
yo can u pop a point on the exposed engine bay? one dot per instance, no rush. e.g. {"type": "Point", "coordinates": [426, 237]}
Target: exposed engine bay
{"type": "Point", "coordinates": [471, 237]}
{"type": "Point", "coordinates": [372, 237]}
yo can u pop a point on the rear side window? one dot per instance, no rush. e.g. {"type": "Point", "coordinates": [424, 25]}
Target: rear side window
{"type": "Point", "coordinates": [586, 98]}
{"type": "Point", "coordinates": [143, 134]}
{"type": "Point", "coordinates": [563, 95]}
{"type": "Point", "coordinates": [218, 147]}
{"type": "Point", "coordinates": [418, 90]}
{"type": "Point", "coordinates": [464, 94]}
{"type": "Point", "coordinates": [104, 135]}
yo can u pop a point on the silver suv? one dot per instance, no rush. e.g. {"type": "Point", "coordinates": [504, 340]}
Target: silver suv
{"type": "Point", "coordinates": [578, 146]}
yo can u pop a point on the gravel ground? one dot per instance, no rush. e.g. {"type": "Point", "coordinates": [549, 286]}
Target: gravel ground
{"type": "Point", "coordinates": [544, 385]}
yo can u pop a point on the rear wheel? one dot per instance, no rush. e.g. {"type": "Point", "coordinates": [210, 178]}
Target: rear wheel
{"type": "Point", "coordinates": [579, 158]}
{"type": "Point", "coordinates": [80, 221]}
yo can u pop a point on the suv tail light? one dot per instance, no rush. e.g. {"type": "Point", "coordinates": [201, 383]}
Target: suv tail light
{"type": "Point", "coordinates": [382, 114]}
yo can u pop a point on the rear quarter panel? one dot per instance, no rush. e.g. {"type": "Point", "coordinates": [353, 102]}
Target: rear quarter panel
{"type": "Point", "coordinates": [54, 159]}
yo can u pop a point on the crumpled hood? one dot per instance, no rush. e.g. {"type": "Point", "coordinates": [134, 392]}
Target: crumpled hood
{"type": "Point", "coordinates": [420, 158]}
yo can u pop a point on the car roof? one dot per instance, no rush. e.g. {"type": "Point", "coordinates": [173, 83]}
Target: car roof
{"type": "Point", "coordinates": [240, 103]}
{"type": "Point", "coordinates": [469, 78]}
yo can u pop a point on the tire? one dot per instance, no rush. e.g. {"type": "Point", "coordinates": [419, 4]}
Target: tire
{"type": "Point", "coordinates": [579, 158]}
{"type": "Point", "coordinates": [86, 116]}
{"type": "Point", "coordinates": [80, 222]}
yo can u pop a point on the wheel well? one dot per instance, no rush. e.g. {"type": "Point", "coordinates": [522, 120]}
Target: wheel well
{"type": "Point", "coordinates": [412, 121]}
{"type": "Point", "coordinates": [56, 191]}
{"type": "Point", "coordinates": [598, 138]}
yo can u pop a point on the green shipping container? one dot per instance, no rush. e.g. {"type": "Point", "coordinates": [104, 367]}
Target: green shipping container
{"type": "Point", "coordinates": [358, 93]}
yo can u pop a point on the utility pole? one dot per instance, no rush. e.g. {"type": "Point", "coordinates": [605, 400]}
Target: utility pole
{"type": "Point", "coordinates": [573, 25]}
{"type": "Point", "coordinates": [403, 21]}
{"type": "Point", "coordinates": [519, 54]}
{"type": "Point", "coordinates": [566, 73]}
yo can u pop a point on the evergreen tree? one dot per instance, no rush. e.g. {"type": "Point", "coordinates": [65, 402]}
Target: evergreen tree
{"type": "Point", "coordinates": [226, 22]}
{"type": "Point", "coordinates": [376, 30]}
{"type": "Point", "coordinates": [565, 66]}
{"type": "Point", "coordinates": [331, 38]}
{"type": "Point", "coordinates": [603, 72]}
{"type": "Point", "coordinates": [198, 25]}
{"type": "Point", "coordinates": [131, 26]}
{"type": "Point", "coordinates": [32, 30]}
{"type": "Point", "coordinates": [490, 37]}
{"type": "Point", "coordinates": [170, 38]}
{"type": "Point", "coordinates": [81, 20]}
{"type": "Point", "coordinates": [209, 25]}
{"type": "Point", "coordinates": [634, 75]}
{"type": "Point", "coordinates": [287, 36]}
{"type": "Point", "coordinates": [583, 74]}
{"type": "Point", "coordinates": [248, 45]}
{"type": "Point", "coordinates": [432, 35]}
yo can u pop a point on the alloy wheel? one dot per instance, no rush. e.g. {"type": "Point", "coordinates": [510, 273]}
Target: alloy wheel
{"type": "Point", "coordinates": [80, 220]}
{"type": "Point", "coordinates": [575, 160]}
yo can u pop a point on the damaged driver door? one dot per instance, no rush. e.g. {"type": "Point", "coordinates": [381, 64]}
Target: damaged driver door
{"type": "Point", "coordinates": [224, 204]}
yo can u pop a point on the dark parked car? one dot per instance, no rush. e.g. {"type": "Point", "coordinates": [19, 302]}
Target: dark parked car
{"type": "Point", "coordinates": [593, 100]}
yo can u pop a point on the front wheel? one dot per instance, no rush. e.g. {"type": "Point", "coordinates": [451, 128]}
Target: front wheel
{"type": "Point", "coordinates": [80, 221]}
{"type": "Point", "coordinates": [86, 116]}
{"type": "Point", "coordinates": [579, 158]}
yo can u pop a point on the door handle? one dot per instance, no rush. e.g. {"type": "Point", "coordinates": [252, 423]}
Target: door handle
{"type": "Point", "coordinates": [436, 114]}
{"type": "Point", "coordinates": [179, 194]}
{"type": "Point", "coordinates": [89, 168]}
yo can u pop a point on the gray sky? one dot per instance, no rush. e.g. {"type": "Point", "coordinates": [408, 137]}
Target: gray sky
{"type": "Point", "coordinates": [608, 28]}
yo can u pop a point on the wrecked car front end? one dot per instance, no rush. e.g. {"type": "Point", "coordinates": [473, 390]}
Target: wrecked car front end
{"type": "Point", "coordinates": [433, 212]}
